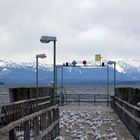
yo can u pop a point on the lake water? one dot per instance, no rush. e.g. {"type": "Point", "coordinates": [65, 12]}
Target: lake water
{"type": "Point", "coordinates": [71, 88]}
{"type": "Point", "coordinates": [95, 88]}
{"type": "Point", "coordinates": [88, 88]}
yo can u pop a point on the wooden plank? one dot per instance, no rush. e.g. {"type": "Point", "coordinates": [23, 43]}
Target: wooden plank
{"type": "Point", "coordinates": [43, 103]}
{"type": "Point", "coordinates": [46, 131]}
{"type": "Point", "coordinates": [42, 98]}
{"type": "Point", "coordinates": [128, 104]}
{"type": "Point", "coordinates": [128, 113]}
{"type": "Point", "coordinates": [28, 100]}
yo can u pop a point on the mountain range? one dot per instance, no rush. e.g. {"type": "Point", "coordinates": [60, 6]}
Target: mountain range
{"type": "Point", "coordinates": [127, 70]}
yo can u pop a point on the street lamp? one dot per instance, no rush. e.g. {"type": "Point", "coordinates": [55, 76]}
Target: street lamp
{"type": "Point", "coordinates": [113, 63]}
{"type": "Point", "coordinates": [107, 86]}
{"type": "Point", "coordinates": [38, 56]}
{"type": "Point", "coordinates": [47, 39]}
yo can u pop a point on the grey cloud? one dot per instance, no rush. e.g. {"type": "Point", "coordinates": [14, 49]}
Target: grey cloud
{"type": "Point", "coordinates": [82, 27]}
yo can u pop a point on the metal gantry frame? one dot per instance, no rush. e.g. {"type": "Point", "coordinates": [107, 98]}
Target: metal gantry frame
{"type": "Point", "coordinates": [90, 66]}
{"type": "Point", "coordinates": [113, 63]}
{"type": "Point", "coordinates": [62, 89]}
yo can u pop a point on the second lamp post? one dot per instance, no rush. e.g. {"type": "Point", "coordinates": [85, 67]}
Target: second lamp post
{"type": "Point", "coordinates": [38, 56]}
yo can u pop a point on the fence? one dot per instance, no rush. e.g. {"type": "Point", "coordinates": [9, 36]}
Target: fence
{"type": "Point", "coordinates": [85, 99]}
{"type": "Point", "coordinates": [16, 110]}
{"type": "Point", "coordinates": [35, 119]}
{"type": "Point", "coordinates": [124, 103]}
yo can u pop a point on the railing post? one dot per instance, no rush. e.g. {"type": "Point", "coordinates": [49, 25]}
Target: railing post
{"type": "Point", "coordinates": [12, 135]}
{"type": "Point", "coordinates": [36, 126]}
{"type": "Point", "coordinates": [43, 121]}
{"type": "Point", "coordinates": [79, 99]}
{"type": "Point", "coordinates": [26, 131]}
{"type": "Point", "coordinates": [94, 99]}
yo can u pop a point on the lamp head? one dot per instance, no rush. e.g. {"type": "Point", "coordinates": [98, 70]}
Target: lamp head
{"type": "Point", "coordinates": [41, 56]}
{"type": "Point", "coordinates": [111, 62]}
{"type": "Point", "coordinates": [47, 39]}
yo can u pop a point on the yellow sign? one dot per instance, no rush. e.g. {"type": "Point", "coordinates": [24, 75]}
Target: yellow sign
{"type": "Point", "coordinates": [98, 57]}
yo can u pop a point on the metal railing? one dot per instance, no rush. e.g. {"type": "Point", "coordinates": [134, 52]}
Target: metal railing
{"type": "Point", "coordinates": [82, 99]}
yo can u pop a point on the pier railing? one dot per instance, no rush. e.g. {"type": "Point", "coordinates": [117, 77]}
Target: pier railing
{"type": "Point", "coordinates": [16, 110]}
{"type": "Point", "coordinates": [80, 99]}
{"type": "Point", "coordinates": [41, 125]}
{"type": "Point", "coordinates": [124, 103]}
{"type": "Point", "coordinates": [36, 118]}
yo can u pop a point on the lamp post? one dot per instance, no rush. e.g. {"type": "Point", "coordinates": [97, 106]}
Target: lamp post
{"type": "Point", "coordinates": [107, 86]}
{"type": "Point", "coordinates": [113, 63]}
{"type": "Point", "coordinates": [47, 39]}
{"type": "Point", "coordinates": [38, 56]}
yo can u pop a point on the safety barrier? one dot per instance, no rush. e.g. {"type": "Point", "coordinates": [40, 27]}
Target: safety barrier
{"type": "Point", "coordinates": [124, 103]}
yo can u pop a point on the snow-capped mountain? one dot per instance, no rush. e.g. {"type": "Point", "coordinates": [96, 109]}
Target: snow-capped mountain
{"type": "Point", "coordinates": [130, 68]}
{"type": "Point", "coordinates": [25, 73]}
{"type": "Point", "coordinates": [12, 72]}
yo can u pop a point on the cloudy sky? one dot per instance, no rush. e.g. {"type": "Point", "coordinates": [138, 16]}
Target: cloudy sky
{"type": "Point", "coordinates": [83, 28]}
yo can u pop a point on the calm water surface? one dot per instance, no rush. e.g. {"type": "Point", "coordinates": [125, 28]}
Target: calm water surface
{"type": "Point", "coordinates": [72, 88]}
{"type": "Point", "coordinates": [95, 88]}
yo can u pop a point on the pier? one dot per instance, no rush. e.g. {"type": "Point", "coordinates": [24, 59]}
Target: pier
{"type": "Point", "coordinates": [27, 117]}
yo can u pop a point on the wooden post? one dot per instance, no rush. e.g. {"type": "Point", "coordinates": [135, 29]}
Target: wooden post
{"type": "Point", "coordinates": [94, 99]}
{"type": "Point", "coordinates": [51, 113]}
{"type": "Point", "coordinates": [12, 135]}
{"type": "Point", "coordinates": [79, 99]}
{"type": "Point", "coordinates": [43, 121]}
{"type": "Point", "coordinates": [26, 131]}
{"type": "Point", "coordinates": [36, 126]}
{"type": "Point", "coordinates": [49, 118]}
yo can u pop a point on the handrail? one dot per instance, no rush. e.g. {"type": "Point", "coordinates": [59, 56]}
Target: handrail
{"type": "Point", "coordinates": [24, 119]}
{"type": "Point", "coordinates": [28, 100]}
{"type": "Point", "coordinates": [129, 113]}
{"type": "Point", "coordinates": [128, 104]}
{"type": "Point", "coordinates": [17, 110]}
{"type": "Point", "coordinates": [46, 131]}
